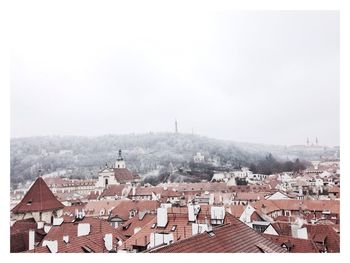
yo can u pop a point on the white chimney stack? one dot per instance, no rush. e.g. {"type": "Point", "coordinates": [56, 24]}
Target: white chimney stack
{"type": "Point", "coordinates": [162, 217]}
{"type": "Point", "coordinates": [47, 228]}
{"type": "Point", "coordinates": [57, 221]}
{"type": "Point", "coordinates": [31, 239]}
{"type": "Point", "coordinates": [51, 245]}
{"type": "Point", "coordinates": [66, 239]}
{"type": "Point", "coordinates": [108, 241]}
{"type": "Point", "coordinates": [83, 229]}
{"type": "Point", "coordinates": [40, 224]}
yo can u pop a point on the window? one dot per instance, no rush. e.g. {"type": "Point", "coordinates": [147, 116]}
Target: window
{"type": "Point", "coordinates": [29, 202]}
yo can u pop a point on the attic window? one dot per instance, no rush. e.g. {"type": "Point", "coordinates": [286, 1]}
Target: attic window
{"type": "Point", "coordinates": [29, 202]}
{"type": "Point", "coordinates": [86, 249]}
{"type": "Point", "coordinates": [173, 228]}
{"type": "Point", "coordinates": [211, 233]}
{"type": "Point", "coordinates": [154, 225]}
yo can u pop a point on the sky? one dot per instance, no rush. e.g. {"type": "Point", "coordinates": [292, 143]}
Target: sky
{"type": "Point", "coordinates": [267, 77]}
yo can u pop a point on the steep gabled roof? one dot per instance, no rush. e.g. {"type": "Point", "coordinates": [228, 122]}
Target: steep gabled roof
{"type": "Point", "coordinates": [38, 198]}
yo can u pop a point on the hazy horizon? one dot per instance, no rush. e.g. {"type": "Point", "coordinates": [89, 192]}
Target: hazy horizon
{"type": "Point", "coordinates": [265, 77]}
{"type": "Point", "coordinates": [166, 132]}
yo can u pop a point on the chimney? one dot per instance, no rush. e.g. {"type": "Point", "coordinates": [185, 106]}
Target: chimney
{"type": "Point", "coordinates": [47, 228]}
{"type": "Point", "coordinates": [31, 242]}
{"type": "Point", "coordinates": [51, 245]}
{"type": "Point", "coordinates": [40, 224]}
{"type": "Point", "coordinates": [191, 214]}
{"type": "Point", "coordinates": [162, 217]}
{"type": "Point", "coordinates": [57, 221]}
{"type": "Point", "coordinates": [83, 229]}
{"type": "Point", "coordinates": [66, 239]}
{"type": "Point", "coordinates": [108, 241]}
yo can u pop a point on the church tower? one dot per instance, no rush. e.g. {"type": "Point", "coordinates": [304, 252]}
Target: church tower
{"type": "Point", "coordinates": [120, 163]}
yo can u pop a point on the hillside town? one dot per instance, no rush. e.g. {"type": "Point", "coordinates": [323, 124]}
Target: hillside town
{"type": "Point", "coordinates": [235, 211]}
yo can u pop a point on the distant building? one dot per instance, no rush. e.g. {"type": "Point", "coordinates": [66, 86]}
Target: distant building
{"type": "Point", "coordinates": [118, 174]}
{"type": "Point", "coordinates": [198, 158]}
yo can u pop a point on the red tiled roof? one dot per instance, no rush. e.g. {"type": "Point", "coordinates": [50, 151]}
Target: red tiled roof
{"type": "Point", "coordinates": [243, 196]}
{"type": "Point", "coordinates": [235, 237]}
{"type": "Point", "coordinates": [142, 238]}
{"type": "Point", "coordinates": [97, 226]}
{"type": "Point", "coordinates": [188, 187]}
{"type": "Point", "coordinates": [283, 229]}
{"type": "Point", "coordinates": [94, 243]}
{"type": "Point", "coordinates": [128, 227]}
{"type": "Point", "coordinates": [123, 175]}
{"type": "Point", "coordinates": [268, 206]}
{"type": "Point", "coordinates": [113, 190]}
{"type": "Point", "coordinates": [93, 195]}
{"type": "Point", "coordinates": [235, 210]}
{"type": "Point", "coordinates": [294, 245]}
{"type": "Point", "coordinates": [38, 198]}
{"type": "Point", "coordinates": [324, 233]}
{"type": "Point", "coordinates": [123, 208]}
{"type": "Point", "coordinates": [93, 208]}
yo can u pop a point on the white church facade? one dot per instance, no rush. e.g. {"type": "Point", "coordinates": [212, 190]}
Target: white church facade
{"type": "Point", "coordinates": [118, 174]}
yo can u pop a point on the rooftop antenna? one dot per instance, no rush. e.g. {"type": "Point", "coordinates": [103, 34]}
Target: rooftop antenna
{"type": "Point", "coordinates": [176, 130]}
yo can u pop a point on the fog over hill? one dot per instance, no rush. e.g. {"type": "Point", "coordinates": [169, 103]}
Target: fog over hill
{"type": "Point", "coordinates": [144, 153]}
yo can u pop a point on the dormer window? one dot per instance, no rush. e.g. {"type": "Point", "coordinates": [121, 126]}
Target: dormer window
{"type": "Point", "coordinates": [29, 202]}
{"type": "Point", "coordinates": [173, 228]}
{"type": "Point", "coordinates": [154, 225]}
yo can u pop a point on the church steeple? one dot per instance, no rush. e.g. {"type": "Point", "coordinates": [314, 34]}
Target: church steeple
{"type": "Point", "coordinates": [120, 157]}
{"type": "Point", "coordinates": [120, 163]}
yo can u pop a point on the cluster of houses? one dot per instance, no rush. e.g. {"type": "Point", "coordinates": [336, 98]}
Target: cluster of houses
{"type": "Point", "coordinates": [282, 213]}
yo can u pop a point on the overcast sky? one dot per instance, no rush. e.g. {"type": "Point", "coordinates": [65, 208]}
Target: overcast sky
{"type": "Point", "coordinates": [255, 76]}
